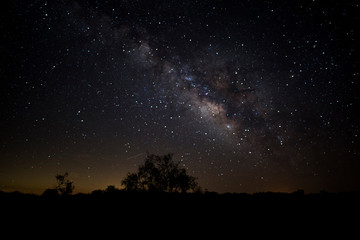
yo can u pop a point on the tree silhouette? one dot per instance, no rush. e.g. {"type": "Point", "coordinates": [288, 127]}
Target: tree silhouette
{"type": "Point", "coordinates": [160, 174]}
{"type": "Point", "coordinates": [64, 186]}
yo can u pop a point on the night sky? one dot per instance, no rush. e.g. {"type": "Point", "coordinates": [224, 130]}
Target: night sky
{"type": "Point", "coordinates": [250, 96]}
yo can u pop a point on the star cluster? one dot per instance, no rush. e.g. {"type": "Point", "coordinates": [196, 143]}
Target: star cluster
{"type": "Point", "coordinates": [248, 96]}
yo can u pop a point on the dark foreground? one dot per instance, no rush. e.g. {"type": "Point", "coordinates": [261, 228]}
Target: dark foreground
{"type": "Point", "coordinates": [180, 213]}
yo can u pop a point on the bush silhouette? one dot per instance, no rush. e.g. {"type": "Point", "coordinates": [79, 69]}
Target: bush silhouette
{"type": "Point", "coordinates": [159, 174]}
{"type": "Point", "coordinates": [64, 185]}
{"type": "Point", "coordinates": [111, 189]}
{"type": "Point", "coordinates": [50, 193]}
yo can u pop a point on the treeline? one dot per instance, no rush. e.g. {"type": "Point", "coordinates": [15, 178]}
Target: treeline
{"type": "Point", "coordinates": [160, 179]}
{"type": "Point", "coordinates": [158, 174]}
{"type": "Point", "coordinates": [198, 205]}
{"type": "Point", "coordinates": [123, 194]}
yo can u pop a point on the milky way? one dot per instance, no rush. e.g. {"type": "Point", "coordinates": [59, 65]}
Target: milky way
{"type": "Point", "coordinates": [217, 94]}
{"type": "Point", "coordinates": [248, 96]}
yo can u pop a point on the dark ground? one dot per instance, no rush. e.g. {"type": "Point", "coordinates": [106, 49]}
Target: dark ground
{"type": "Point", "coordinates": [208, 213]}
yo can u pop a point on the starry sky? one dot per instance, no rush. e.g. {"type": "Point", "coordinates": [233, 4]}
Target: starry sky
{"type": "Point", "coordinates": [250, 96]}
